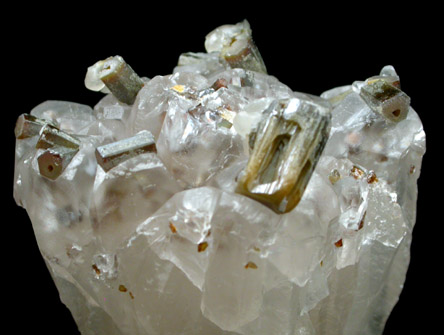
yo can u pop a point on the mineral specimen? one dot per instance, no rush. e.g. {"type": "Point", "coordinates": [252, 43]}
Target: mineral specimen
{"type": "Point", "coordinates": [216, 200]}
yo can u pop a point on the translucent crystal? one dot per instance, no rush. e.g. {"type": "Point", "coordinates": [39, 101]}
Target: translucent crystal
{"type": "Point", "coordinates": [60, 209]}
{"type": "Point", "coordinates": [197, 140]}
{"type": "Point", "coordinates": [263, 210]}
{"type": "Point", "coordinates": [71, 117]}
{"type": "Point", "coordinates": [112, 119]}
{"type": "Point", "coordinates": [205, 64]}
{"type": "Point", "coordinates": [127, 194]}
{"type": "Point", "coordinates": [158, 96]}
{"type": "Point", "coordinates": [92, 78]}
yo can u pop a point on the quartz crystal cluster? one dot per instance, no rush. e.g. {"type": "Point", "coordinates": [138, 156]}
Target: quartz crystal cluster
{"type": "Point", "coordinates": [216, 200]}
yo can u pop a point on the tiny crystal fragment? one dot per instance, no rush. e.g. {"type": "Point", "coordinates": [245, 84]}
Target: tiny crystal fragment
{"type": "Point", "coordinates": [112, 154]}
{"type": "Point", "coordinates": [371, 177]}
{"type": "Point", "coordinates": [173, 228]}
{"type": "Point", "coordinates": [339, 243]}
{"type": "Point", "coordinates": [120, 79]}
{"type": "Point", "coordinates": [357, 173]}
{"type": "Point", "coordinates": [202, 246]}
{"type": "Point", "coordinates": [285, 149]}
{"type": "Point", "coordinates": [250, 265]}
{"type": "Point", "coordinates": [96, 269]}
{"type": "Point", "coordinates": [334, 176]}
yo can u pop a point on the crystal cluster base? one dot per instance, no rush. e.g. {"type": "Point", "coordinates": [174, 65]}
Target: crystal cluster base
{"type": "Point", "coordinates": [145, 239]}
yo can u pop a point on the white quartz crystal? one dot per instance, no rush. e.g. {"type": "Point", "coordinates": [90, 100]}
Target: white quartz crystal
{"type": "Point", "coordinates": [223, 35]}
{"type": "Point", "coordinates": [161, 242]}
{"type": "Point", "coordinates": [92, 78]}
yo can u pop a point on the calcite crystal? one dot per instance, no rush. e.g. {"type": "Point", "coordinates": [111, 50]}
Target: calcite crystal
{"type": "Point", "coordinates": [216, 200]}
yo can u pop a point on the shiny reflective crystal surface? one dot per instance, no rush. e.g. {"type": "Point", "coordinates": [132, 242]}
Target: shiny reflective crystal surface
{"type": "Point", "coordinates": [163, 241]}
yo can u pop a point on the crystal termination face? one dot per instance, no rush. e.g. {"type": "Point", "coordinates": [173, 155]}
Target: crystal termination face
{"type": "Point", "coordinates": [216, 200]}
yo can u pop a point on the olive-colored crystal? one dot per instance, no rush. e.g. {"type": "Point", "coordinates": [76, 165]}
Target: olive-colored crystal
{"type": "Point", "coordinates": [385, 98]}
{"type": "Point", "coordinates": [112, 154]}
{"type": "Point", "coordinates": [121, 79]}
{"type": "Point", "coordinates": [28, 125]}
{"type": "Point", "coordinates": [51, 137]}
{"type": "Point", "coordinates": [285, 149]}
{"type": "Point", "coordinates": [245, 55]}
{"type": "Point", "coordinates": [52, 162]}
{"type": "Point", "coordinates": [235, 46]}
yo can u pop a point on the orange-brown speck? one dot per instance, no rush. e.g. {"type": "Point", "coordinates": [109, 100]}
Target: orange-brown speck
{"type": "Point", "coordinates": [219, 83]}
{"type": "Point", "coordinates": [96, 269]}
{"type": "Point", "coordinates": [122, 288]}
{"type": "Point", "coordinates": [131, 295]}
{"type": "Point", "coordinates": [173, 228]}
{"type": "Point", "coordinates": [396, 112]}
{"type": "Point", "coordinates": [202, 246]}
{"type": "Point", "coordinates": [357, 172]}
{"type": "Point", "coordinates": [371, 177]}
{"type": "Point", "coordinates": [412, 169]}
{"type": "Point", "coordinates": [250, 265]}
{"type": "Point", "coordinates": [338, 244]}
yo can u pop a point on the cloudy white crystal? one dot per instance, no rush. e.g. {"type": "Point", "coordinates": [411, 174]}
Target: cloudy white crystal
{"type": "Point", "coordinates": [162, 244]}
{"type": "Point", "coordinates": [92, 78]}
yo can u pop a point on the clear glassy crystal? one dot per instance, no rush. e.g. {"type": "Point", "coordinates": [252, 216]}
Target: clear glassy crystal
{"type": "Point", "coordinates": [216, 200]}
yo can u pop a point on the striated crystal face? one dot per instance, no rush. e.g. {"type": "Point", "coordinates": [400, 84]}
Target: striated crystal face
{"type": "Point", "coordinates": [216, 200]}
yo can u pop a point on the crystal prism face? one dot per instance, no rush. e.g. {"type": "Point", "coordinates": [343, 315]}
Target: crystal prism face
{"type": "Point", "coordinates": [216, 200]}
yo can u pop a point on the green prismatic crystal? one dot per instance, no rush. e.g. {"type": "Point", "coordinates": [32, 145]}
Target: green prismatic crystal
{"type": "Point", "coordinates": [52, 162]}
{"type": "Point", "coordinates": [384, 97]}
{"type": "Point", "coordinates": [236, 47]}
{"type": "Point", "coordinates": [285, 148]}
{"type": "Point", "coordinates": [60, 148]}
{"type": "Point", "coordinates": [112, 154]}
{"type": "Point", "coordinates": [120, 79]}
{"type": "Point", "coordinates": [28, 125]}
{"type": "Point", "coordinates": [52, 137]}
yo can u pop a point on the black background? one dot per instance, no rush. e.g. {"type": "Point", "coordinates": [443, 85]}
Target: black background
{"type": "Point", "coordinates": [310, 48]}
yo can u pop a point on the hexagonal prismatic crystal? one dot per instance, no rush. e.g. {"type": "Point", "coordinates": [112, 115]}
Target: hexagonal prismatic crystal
{"type": "Point", "coordinates": [28, 125]}
{"type": "Point", "coordinates": [120, 79]}
{"type": "Point", "coordinates": [60, 147]}
{"type": "Point", "coordinates": [52, 162]}
{"type": "Point", "coordinates": [383, 97]}
{"type": "Point", "coordinates": [285, 148]}
{"type": "Point", "coordinates": [112, 154]}
{"type": "Point", "coordinates": [236, 46]}
{"type": "Point", "coordinates": [51, 137]}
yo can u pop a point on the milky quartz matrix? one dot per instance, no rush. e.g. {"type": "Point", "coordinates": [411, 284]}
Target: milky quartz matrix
{"type": "Point", "coordinates": [216, 200]}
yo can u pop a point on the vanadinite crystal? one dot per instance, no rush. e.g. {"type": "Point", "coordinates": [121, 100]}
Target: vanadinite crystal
{"type": "Point", "coordinates": [216, 200]}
